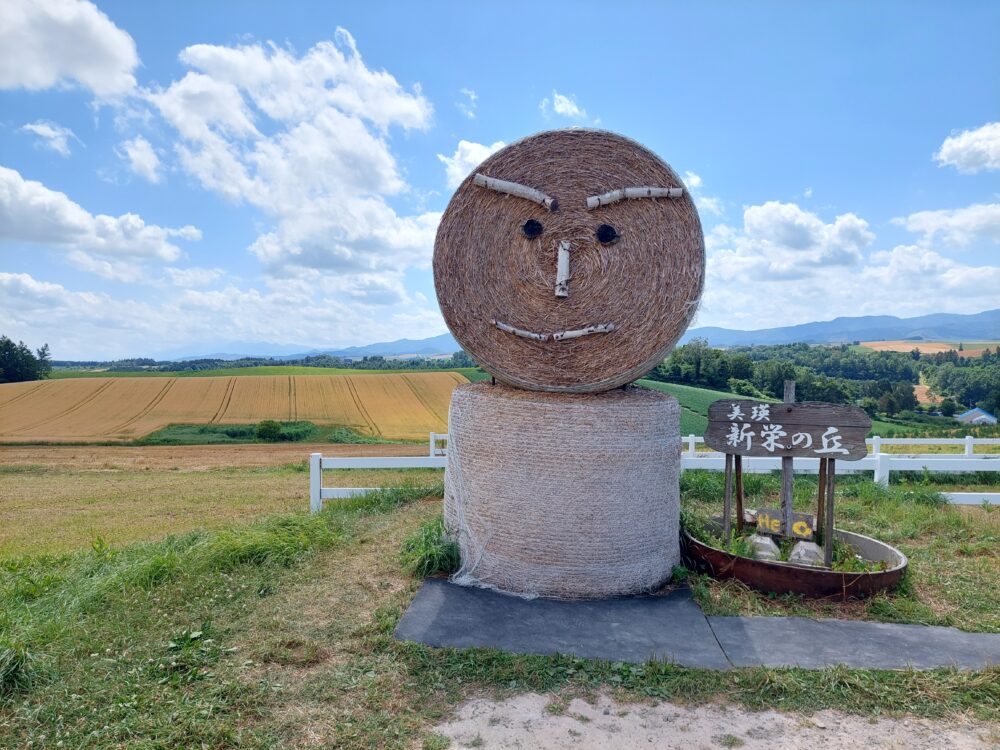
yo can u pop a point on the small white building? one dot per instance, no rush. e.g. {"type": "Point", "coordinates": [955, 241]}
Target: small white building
{"type": "Point", "coordinates": [976, 416]}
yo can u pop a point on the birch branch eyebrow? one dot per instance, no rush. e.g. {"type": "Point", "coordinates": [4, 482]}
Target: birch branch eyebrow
{"type": "Point", "coordinates": [630, 193]}
{"type": "Point", "coordinates": [516, 189]}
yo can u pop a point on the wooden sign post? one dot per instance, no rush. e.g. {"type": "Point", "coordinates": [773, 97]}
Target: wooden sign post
{"type": "Point", "coordinates": [829, 432]}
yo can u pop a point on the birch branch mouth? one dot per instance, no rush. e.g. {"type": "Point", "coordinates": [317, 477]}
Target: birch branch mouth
{"type": "Point", "coordinates": [574, 333]}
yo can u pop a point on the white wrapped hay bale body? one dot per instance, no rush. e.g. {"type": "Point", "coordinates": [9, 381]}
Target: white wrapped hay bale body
{"type": "Point", "coordinates": [568, 496]}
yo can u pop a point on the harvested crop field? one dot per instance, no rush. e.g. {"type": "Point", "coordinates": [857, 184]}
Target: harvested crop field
{"type": "Point", "coordinates": [394, 405]}
{"type": "Point", "coordinates": [187, 457]}
{"type": "Point", "coordinates": [970, 349]}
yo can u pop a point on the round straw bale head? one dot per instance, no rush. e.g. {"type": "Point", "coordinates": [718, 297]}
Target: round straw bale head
{"type": "Point", "coordinates": [634, 267]}
{"type": "Point", "coordinates": [563, 495]}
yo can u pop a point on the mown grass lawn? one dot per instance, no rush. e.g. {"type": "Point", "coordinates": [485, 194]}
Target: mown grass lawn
{"type": "Point", "coordinates": [279, 634]}
{"type": "Point", "coordinates": [273, 628]}
{"type": "Point", "coordinates": [54, 510]}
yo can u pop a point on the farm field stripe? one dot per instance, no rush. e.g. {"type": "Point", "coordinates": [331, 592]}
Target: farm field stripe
{"type": "Point", "coordinates": [423, 401]}
{"type": "Point", "coordinates": [27, 392]}
{"type": "Point", "coordinates": [154, 402]}
{"type": "Point", "coordinates": [361, 407]}
{"type": "Point", "coordinates": [75, 407]}
{"type": "Point", "coordinates": [226, 398]}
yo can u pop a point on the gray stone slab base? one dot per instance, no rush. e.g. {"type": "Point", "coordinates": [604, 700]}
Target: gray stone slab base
{"type": "Point", "coordinates": [673, 628]}
{"type": "Point", "coordinates": [633, 629]}
{"type": "Point", "coordinates": [801, 642]}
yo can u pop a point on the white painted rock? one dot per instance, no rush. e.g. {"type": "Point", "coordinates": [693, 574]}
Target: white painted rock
{"type": "Point", "coordinates": [764, 548]}
{"type": "Point", "coordinates": [806, 553]}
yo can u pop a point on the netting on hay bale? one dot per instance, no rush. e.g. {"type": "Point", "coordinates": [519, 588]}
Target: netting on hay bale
{"type": "Point", "coordinates": [561, 495]}
{"type": "Point", "coordinates": [549, 294]}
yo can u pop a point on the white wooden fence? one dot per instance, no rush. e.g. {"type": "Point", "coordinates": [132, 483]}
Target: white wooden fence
{"type": "Point", "coordinates": [877, 462]}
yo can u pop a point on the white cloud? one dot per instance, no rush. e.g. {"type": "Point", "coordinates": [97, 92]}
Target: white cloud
{"type": "Point", "coordinates": [783, 241]}
{"type": "Point", "coordinates": [807, 193]}
{"type": "Point", "coordinates": [61, 42]}
{"type": "Point", "coordinates": [707, 203]}
{"type": "Point", "coordinates": [467, 106]}
{"type": "Point", "coordinates": [972, 150]}
{"type": "Point", "coordinates": [562, 105]}
{"type": "Point", "coordinates": [956, 226]}
{"type": "Point", "coordinates": [32, 213]}
{"type": "Point", "coordinates": [786, 265]}
{"type": "Point", "coordinates": [468, 155]}
{"type": "Point", "coordinates": [117, 269]}
{"type": "Point", "coordinates": [86, 325]}
{"type": "Point", "coordinates": [692, 180]}
{"type": "Point", "coordinates": [305, 140]}
{"type": "Point", "coordinates": [567, 106]}
{"type": "Point", "coordinates": [51, 135]}
{"type": "Point", "coordinates": [142, 158]}
{"type": "Point", "coordinates": [193, 276]}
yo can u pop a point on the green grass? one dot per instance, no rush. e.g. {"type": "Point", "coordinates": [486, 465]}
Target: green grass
{"type": "Point", "coordinates": [59, 374]}
{"type": "Point", "coordinates": [694, 403]}
{"type": "Point", "coordinates": [219, 434]}
{"type": "Point", "coordinates": [430, 551]}
{"type": "Point", "coordinates": [280, 634]}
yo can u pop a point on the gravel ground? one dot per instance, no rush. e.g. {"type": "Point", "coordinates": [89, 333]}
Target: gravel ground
{"type": "Point", "coordinates": [542, 721]}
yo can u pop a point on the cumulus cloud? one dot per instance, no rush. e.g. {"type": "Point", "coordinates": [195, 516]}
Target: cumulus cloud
{"type": "Point", "coordinates": [32, 213]}
{"type": "Point", "coordinates": [193, 276]}
{"type": "Point", "coordinates": [142, 158]}
{"type": "Point", "coordinates": [562, 105]}
{"type": "Point", "coordinates": [468, 155]}
{"type": "Point", "coordinates": [781, 240]}
{"type": "Point", "coordinates": [707, 203]}
{"type": "Point", "coordinates": [51, 136]}
{"type": "Point", "coordinates": [305, 139]}
{"type": "Point", "coordinates": [83, 324]}
{"type": "Point", "coordinates": [786, 265]}
{"type": "Point", "coordinates": [972, 151]}
{"type": "Point", "coordinates": [956, 226]}
{"type": "Point", "coordinates": [467, 105]}
{"type": "Point", "coordinates": [64, 42]}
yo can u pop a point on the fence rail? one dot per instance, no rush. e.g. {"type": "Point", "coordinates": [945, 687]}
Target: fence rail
{"type": "Point", "coordinates": [879, 463]}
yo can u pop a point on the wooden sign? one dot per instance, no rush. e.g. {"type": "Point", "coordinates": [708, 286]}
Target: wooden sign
{"type": "Point", "coordinates": [769, 522]}
{"type": "Point", "coordinates": [808, 429]}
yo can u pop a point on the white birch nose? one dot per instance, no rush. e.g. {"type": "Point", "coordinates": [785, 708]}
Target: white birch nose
{"type": "Point", "coordinates": [562, 270]}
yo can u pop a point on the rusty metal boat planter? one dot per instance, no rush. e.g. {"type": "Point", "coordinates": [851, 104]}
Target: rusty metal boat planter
{"type": "Point", "coordinates": [784, 578]}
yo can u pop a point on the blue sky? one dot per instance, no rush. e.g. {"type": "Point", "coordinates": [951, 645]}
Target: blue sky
{"type": "Point", "coordinates": [187, 177]}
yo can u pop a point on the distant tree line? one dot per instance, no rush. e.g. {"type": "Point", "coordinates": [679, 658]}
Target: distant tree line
{"type": "Point", "coordinates": [879, 381]}
{"type": "Point", "coordinates": [18, 363]}
{"type": "Point", "coordinates": [143, 364]}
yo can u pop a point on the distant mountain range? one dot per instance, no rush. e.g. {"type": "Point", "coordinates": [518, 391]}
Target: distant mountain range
{"type": "Point", "coordinates": [936, 327]}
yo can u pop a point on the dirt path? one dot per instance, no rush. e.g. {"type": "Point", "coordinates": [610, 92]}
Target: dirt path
{"type": "Point", "coordinates": [536, 721]}
{"type": "Point", "coordinates": [189, 457]}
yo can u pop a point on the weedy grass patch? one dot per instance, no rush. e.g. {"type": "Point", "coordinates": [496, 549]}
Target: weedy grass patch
{"type": "Point", "coordinates": [430, 551]}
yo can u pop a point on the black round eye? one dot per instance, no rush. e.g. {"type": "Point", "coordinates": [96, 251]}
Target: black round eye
{"type": "Point", "coordinates": [532, 228]}
{"type": "Point", "coordinates": [607, 235]}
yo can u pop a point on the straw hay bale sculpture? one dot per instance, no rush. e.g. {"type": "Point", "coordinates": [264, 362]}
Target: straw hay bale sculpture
{"type": "Point", "coordinates": [568, 264]}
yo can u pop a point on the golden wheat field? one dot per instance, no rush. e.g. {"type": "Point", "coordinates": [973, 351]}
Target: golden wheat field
{"type": "Point", "coordinates": [396, 405]}
{"type": "Point", "coordinates": [975, 349]}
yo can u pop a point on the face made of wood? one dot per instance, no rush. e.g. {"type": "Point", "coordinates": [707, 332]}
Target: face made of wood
{"type": "Point", "coordinates": [569, 261]}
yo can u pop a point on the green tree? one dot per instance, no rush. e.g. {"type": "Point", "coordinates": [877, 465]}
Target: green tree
{"type": "Point", "coordinates": [18, 364]}
{"type": "Point", "coordinates": [949, 407]}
